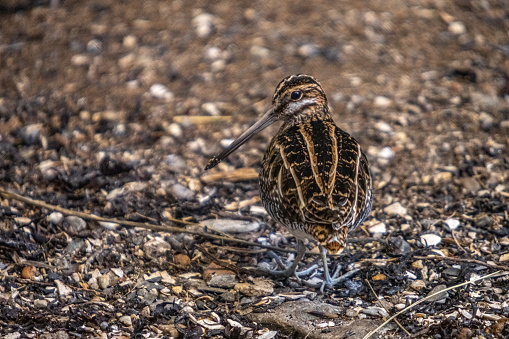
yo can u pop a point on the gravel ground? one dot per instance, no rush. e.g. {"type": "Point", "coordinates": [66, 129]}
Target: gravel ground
{"type": "Point", "coordinates": [113, 109]}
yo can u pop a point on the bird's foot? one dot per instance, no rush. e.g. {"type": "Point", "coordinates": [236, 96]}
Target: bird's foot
{"type": "Point", "coordinates": [331, 282]}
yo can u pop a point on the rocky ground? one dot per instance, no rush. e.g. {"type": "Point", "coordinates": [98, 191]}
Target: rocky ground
{"type": "Point", "coordinates": [113, 108]}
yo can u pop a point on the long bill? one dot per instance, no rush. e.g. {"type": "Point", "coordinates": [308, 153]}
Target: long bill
{"type": "Point", "coordinates": [267, 119]}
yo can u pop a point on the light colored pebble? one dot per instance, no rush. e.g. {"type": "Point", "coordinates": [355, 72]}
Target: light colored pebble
{"type": "Point", "coordinates": [378, 228]}
{"type": "Point", "coordinates": [55, 218]}
{"type": "Point", "coordinates": [62, 289]}
{"type": "Point", "coordinates": [232, 225]}
{"type": "Point", "coordinates": [125, 320]}
{"type": "Point", "coordinates": [260, 288]}
{"type": "Point", "coordinates": [104, 281]}
{"type": "Point", "coordinates": [76, 224]}
{"type": "Point", "coordinates": [430, 239]}
{"type": "Point", "coordinates": [382, 102]}
{"type": "Point", "coordinates": [203, 24]}
{"type": "Point", "coordinates": [452, 223]}
{"type": "Point", "coordinates": [457, 28]}
{"type": "Point", "coordinates": [40, 303]}
{"type": "Point", "coordinates": [160, 91]}
{"type": "Point", "coordinates": [23, 221]}
{"type": "Point", "coordinates": [395, 209]}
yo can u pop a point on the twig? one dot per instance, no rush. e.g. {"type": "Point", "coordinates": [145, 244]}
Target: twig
{"type": "Point", "coordinates": [132, 224]}
{"type": "Point", "coordinates": [378, 300]}
{"type": "Point", "coordinates": [429, 297]}
{"type": "Point", "coordinates": [470, 261]}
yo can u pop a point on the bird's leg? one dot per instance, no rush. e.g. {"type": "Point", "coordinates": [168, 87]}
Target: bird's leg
{"type": "Point", "coordinates": [328, 281]}
{"type": "Point", "coordinates": [291, 270]}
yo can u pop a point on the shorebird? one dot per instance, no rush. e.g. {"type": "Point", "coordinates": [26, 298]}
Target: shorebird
{"type": "Point", "coordinates": [314, 178]}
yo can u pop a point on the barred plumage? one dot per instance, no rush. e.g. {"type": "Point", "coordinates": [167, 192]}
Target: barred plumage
{"type": "Point", "coordinates": [314, 180]}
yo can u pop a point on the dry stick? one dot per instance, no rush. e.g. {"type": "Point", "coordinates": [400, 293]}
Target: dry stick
{"type": "Point", "coordinates": [429, 297]}
{"type": "Point", "coordinates": [470, 261]}
{"type": "Point", "coordinates": [378, 300]}
{"type": "Point", "coordinates": [88, 216]}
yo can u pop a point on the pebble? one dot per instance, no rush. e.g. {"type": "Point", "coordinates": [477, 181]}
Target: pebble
{"type": "Point", "coordinates": [175, 130]}
{"type": "Point", "coordinates": [176, 163]}
{"type": "Point", "coordinates": [457, 28]}
{"type": "Point", "coordinates": [126, 320]}
{"type": "Point", "coordinates": [129, 41]}
{"type": "Point", "coordinates": [23, 221]}
{"type": "Point", "coordinates": [375, 311]}
{"type": "Point", "coordinates": [378, 228]}
{"type": "Point", "coordinates": [504, 257]}
{"type": "Point", "coordinates": [418, 285]}
{"type": "Point", "coordinates": [160, 91]}
{"type": "Point", "coordinates": [28, 272]}
{"type": "Point", "coordinates": [417, 264]}
{"type": "Point", "coordinates": [384, 127]}
{"type": "Point", "coordinates": [430, 239]}
{"type": "Point", "coordinates": [260, 288]}
{"type": "Point", "coordinates": [40, 303]}
{"type": "Point", "coordinates": [156, 247]}
{"type": "Point", "coordinates": [80, 60]}
{"type": "Point", "coordinates": [487, 121]}
{"type": "Point", "coordinates": [169, 330]}
{"type": "Point", "coordinates": [216, 276]}
{"type": "Point", "coordinates": [203, 24]}
{"type": "Point", "coordinates": [442, 177]}
{"type": "Point", "coordinates": [181, 192]}
{"type": "Point", "coordinates": [439, 297]}
{"type": "Point", "coordinates": [395, 209]}
{"type": "Point", "coordinates": [386, 153]}
{"type": "Point", "coordinates": [232, 225]}
{"type": "Point", "coordinates": [182, 260]}
{"type": "Point", "coordinates": [452, 223]}
{"type": "Point", "coordinates": [382, 102]}
{"type": "Point", "coordinates": [308, 50]}
{"type": "Point", "coordinates": [55, 218]}
{"type": "Point", "coordinates": [62, 289]}
{"type": "Point", "coordinates": [76, 224]}
{"type": "Point", "coordinates": [104, 281]}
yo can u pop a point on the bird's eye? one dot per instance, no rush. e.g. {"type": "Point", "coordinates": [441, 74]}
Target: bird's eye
{"type": "Point", "coordinates": [296, 95]}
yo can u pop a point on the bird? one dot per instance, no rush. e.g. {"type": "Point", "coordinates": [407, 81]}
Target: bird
{"type": "Point", "coordinates": [314, 179]}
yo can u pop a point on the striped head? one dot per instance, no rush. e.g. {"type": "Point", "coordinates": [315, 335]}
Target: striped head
{"type": "Point", "coordinates": [297, 96]}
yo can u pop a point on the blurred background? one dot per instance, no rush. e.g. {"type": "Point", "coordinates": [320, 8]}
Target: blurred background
{"type": "Point", "coordinates": [115, 107]}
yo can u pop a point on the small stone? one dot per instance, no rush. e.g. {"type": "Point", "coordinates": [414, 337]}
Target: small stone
{"type": "Point", "coordinates": [382, 102]}
{"type": "Point", "coordinates": [386, 153]}
{"type": "Point", "coordinates": [417, 264]}
{"type": "Point", "coordinates": [442, 177]}
{"type": "Point", "coordinates": [232, 225]}
{"type": "Point", "coordinates": [156, 247]}
{"type": "Point", "coordinates": [430, 239]}
{"type": "Point", "coordinates": [216, 276]}
{"type": "Point", "coordinates": [452, 223]}
{"type": "Point", "coordinates": [395, 209]}
{"type": "Point", "coordinates": [260, 288]}
{"type": "Point", "coordinates": [418, 285]}
{"type": "Point", "coordinates": [181, 192]}
{"type": "Point", "coordinates": [104, 281]}
{"type": "Point", "coordinates": [203, 24]}
{"type": "Point", "coordinates": [40, 303]}
{"type": "Point", "coordinates": [378, 228]}
{"type": "Point", "coordinates": [379, 277]}
{"type": "Point", "coordinates": [28, 272]}
{"type": "Point", "coordinates": [182, 260]}
{"type": "Point", "coordinates": [457, 28]}
{"type": "Point", "coordinates": [63, 289]}
{"type": "Point", "coordinates": [504, 257]}
{"type": "Point", "coordinates": [175, 130]}
{"type": "Point", "coordinates": [440, 296]}
{"type": "Point", "coordinates": [176, 163]}
{"type": "Point", "coordinates": [308, 50]}
{"type": "Point", "coordinates": [384, 127]}
{"type": "Point", "coordinates": [126, 320]}
{"type": "Point", "coordinates": [169, 330]}
{"type": "Point", "coordinates": [75, 224]}
{"type": "Point", "coordinates": [55, 218]}
{"type": "Point", "coordinates": [160, 91]}
{"type": "Point", "coordinates": [23, 221]}
{"type": "Point", "coordinates": [129, 41]}
{"type": "Point", "coordinates": [487, 121]}
{"type": "Point", "coordinates": [80, 60]}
